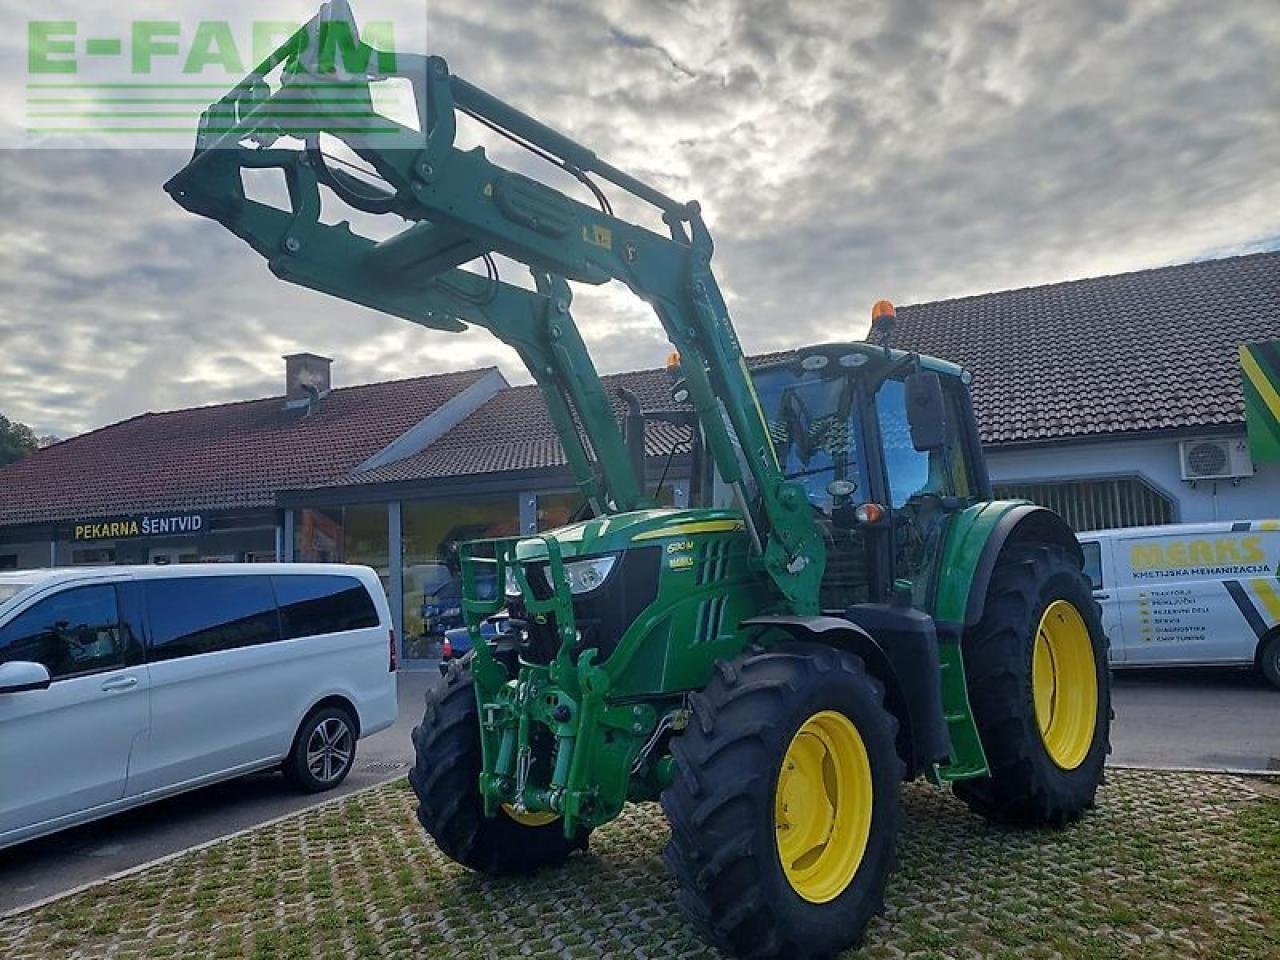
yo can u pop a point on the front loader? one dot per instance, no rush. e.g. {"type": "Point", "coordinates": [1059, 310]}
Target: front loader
{"type": "Point", "coordinates": [844, 608]}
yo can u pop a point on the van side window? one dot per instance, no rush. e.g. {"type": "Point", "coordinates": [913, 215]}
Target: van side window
{"type": "Point", "coordinates": [1092, 562]}
{"type": "Point", "coordinates": [312, 604]}
{"type": "Point", "coordinates": [72, 633]}
{"type": "Point", "coordinates": [192, 615]}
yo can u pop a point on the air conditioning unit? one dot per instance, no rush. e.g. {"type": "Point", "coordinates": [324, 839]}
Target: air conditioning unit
{"type": "Point", "coordinates": [1215, 459]}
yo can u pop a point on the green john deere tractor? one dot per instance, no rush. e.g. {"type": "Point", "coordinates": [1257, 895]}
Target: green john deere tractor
{"type": "Point", "coordinates": [843, 609]}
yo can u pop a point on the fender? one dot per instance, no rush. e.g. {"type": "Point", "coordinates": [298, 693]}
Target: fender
{"type": "Point", "coordinates": [975, 540]}
{"type": "Point", "coordinates": [900, 649]}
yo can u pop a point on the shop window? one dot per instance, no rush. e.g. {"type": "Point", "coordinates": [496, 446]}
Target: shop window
{"type": "Point", "coordinates": [431, 533]}
{"type": "Point", "coordinates": [560, 509]}
{"type": "Point", "coordinates": [318, 536]}
{"type": "Point", "coordinates": [93, 556]}
{"type": "Point", "coordinates": [564, 507]}
{"type": "Point", "coordinates": [356, 534]}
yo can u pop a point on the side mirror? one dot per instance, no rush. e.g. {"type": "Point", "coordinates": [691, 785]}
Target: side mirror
{"type": "Point", "coordinates": [18, 676]}
{"type": "Point", "coordinates": [926, 411]}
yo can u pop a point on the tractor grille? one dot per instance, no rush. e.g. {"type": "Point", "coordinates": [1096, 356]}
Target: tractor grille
{"type": "Point", "coordinates": [603, 615]}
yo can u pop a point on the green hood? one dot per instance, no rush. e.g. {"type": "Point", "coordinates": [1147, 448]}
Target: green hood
{"type": "Point", "coordinates": [610, 534]}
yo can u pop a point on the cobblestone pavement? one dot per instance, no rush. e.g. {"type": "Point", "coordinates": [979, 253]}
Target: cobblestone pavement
{"type": "Point", "coordinates": [1169, 865]}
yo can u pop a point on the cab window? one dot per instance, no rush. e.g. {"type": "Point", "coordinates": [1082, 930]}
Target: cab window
{"type": "Point", "coordinates": [72, 633]}
{"type": "Point", "coordinates": [813, 424]}
{"type": "Point", "coordinates": [912, 472]}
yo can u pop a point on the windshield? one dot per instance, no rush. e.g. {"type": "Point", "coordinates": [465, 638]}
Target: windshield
{"type": "Point", "coordinates": [813, 423]}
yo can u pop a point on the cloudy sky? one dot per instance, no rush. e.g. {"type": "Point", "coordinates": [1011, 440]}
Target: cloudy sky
{"type": "Point", "coordinates": [842, 151]}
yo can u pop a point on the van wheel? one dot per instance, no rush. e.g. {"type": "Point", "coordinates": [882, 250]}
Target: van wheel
{"type": "Point", "coordinates": [1269, 660]}
{"type": "Point", "coordinates": [323, 751]}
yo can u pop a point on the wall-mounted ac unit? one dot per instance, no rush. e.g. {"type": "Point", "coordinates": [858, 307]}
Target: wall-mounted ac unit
{"type": "Point", "coordinates": [1215, 459]}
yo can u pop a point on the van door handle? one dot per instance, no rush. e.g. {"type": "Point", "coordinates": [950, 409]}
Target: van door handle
{"type": "Point", "coordinates": [1102, 596]}
{"type": "Point", "coordinates": [120, 683]}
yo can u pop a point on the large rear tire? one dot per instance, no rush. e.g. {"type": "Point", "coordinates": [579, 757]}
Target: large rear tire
{"type": "Point", "coordinates": [785, 806]}
{"type": "Point", "coordinates": [446, 779]}
{"type": "Point", "coordinates": [1039, 685]}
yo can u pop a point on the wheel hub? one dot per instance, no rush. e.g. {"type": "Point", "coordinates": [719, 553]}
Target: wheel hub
{"type": "Point", "coordinates": [329, 749]}
{"type": "Point", "coordinates": [822, 808]}
{"type": "Point", "coordinates": [1064, 684]}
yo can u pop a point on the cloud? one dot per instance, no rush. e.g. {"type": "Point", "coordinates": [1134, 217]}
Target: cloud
{"type": "Point", "coordinates": [916, 150]}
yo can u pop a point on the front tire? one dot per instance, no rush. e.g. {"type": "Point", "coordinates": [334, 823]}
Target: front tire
{"type": "Point", "coordinates": [1269, 661]}
{"type": "Point", "coordinates": [786, 804]}
{"type": "Point", "coordinates": [1040, 688]}
{"type": "Point", "coordinates": [446, 779]}
{"type": "Point", "coordinates": [323, 751]}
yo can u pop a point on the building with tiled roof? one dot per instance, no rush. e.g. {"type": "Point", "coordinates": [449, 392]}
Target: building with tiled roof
{"type": "Point", "coordinates": [231, 455]}
{"type": "Point", "coordinates": [1100, 397]}
{"type": "Point", "coordinates": [1131, 354]}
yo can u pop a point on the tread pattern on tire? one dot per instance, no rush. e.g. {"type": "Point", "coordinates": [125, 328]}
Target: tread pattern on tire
{"type": "Point", "coordinates": [445, 778]}
{"type": "Point", "coordinates": [1025, 787]}
{"type": "Point", "coordinates": [724, 787]}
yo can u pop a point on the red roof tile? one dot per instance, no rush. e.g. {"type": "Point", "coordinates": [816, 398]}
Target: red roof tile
{"type": "Point", "coordinates": [1151, 350]}
{"type": "Point", "coordinates": [224, 456]}
{"type": "Point", "coordinates": [513, 432]}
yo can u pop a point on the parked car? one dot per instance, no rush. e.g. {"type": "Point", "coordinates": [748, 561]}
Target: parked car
{"type": "Point", "coordinates": [457, 641]}
{"type": "Point", "coordinates": [1190, 594]}
{"type": "Point", "coordinates": [122, 685]}
{"type": "Point", "coordinates": [433, 591]}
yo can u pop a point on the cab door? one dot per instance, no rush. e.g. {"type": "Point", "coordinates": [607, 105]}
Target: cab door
{"type": "Point", "coordinates": [65, 750]}
{"type": "Point", "coordinates": [1099, 567]}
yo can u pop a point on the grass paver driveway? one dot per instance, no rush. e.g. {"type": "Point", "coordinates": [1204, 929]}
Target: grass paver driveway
{"type": "Point", "coordinates": [1168, 865]}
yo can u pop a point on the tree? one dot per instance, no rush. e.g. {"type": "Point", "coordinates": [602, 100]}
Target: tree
{"type": "Point", "coordinates": [17, 440]}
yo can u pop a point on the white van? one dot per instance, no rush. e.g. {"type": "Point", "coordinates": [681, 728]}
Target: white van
{"type": "Point", "coordinates": [1190, 594]}
{"type": "Point", "coordinates": [122, 685]}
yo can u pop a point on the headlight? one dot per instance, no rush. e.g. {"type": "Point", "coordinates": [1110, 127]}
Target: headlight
{"type": "Point", "coordinates": [583, 575]}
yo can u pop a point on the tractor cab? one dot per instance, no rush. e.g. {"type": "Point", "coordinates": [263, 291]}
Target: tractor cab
{"type": "Point", "coordinates": [885, 446]}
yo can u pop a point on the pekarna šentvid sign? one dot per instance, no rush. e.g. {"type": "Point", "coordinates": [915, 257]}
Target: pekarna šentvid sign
{"type": "Point", "coordinates": [123, 528]}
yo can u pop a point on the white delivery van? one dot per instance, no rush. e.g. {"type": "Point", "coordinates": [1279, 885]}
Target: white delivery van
{"type": "Point", "coordinates": [122, 685]}
{"type": "Point", "coordinates": [1189, 594]}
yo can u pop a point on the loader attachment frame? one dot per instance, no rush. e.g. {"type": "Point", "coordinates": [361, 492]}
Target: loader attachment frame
{"type": "Point", "coordinates": [461, 207]}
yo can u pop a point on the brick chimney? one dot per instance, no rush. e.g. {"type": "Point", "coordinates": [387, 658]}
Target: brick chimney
{"type": "Point", "coordinates": [306, 380]}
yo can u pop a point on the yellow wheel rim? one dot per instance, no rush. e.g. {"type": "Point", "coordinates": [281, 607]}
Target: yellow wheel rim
{"type": "Point", "coordinates": [822, 806]}
{"type": "Point", "coordinates": [530, 818]}
{"type": "Point", "coordinates": [1065, 683]}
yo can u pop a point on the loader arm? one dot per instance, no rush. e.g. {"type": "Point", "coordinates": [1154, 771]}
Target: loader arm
{"type": "Point", "coordinates": [460, 206]}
